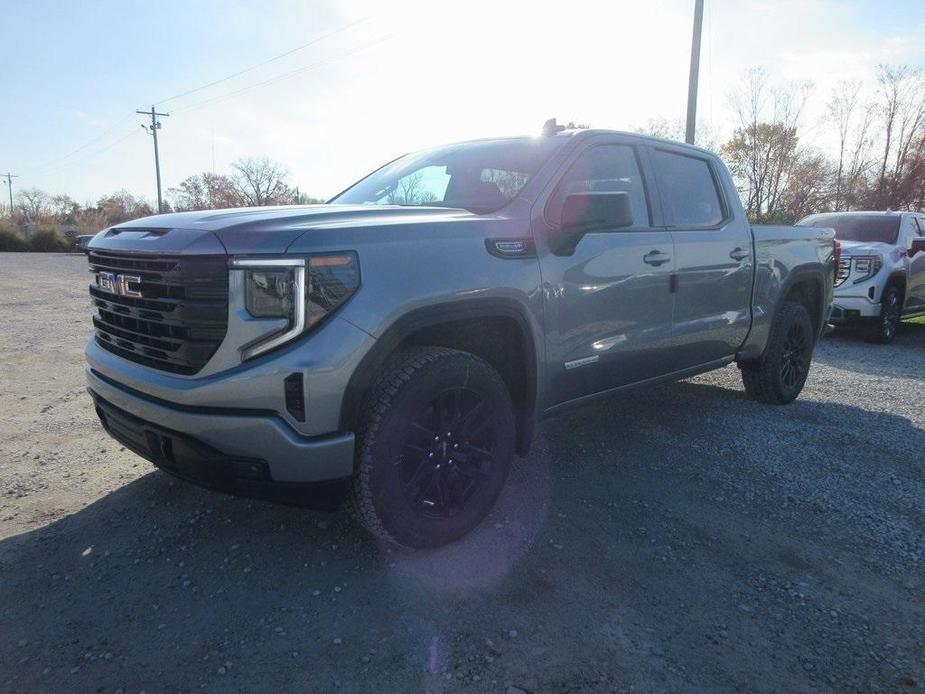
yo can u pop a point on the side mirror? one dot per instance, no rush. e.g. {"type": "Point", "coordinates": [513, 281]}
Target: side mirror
{"type": "Point", "coordinates": [918, 246]}
{"type": "Point", "coordinates": [587, 212]}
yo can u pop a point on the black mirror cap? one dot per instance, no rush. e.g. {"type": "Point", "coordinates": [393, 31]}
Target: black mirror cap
{"type": "Point", "coordinates": [583, 212]}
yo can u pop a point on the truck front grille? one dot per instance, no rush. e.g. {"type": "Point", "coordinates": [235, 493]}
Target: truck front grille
{"type": "Point", "coordinates": [180, 317]}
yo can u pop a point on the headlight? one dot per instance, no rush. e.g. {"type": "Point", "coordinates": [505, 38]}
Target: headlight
{"type": "Point", "coordinates": [866, 266]}
{"type": "Point", "coordinates": [299, 291]}
{"type": "Point", "coordinates": [269, 293]}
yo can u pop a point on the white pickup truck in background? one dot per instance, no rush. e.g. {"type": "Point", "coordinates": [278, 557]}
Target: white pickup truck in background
{"type": "Point", "coordinates": [881, 275]}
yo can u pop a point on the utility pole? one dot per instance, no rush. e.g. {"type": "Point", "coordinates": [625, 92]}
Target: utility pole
{"type": "Point", "coordinates": [9, 184]}
{"type": "Point", "coordinates": [152, 130]}
{"type": "Point", "coordinates": [695, 73]}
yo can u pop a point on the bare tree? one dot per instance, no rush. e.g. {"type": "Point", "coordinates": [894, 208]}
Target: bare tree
{"type": "Point", "coordinates": [809, 187]}
{"type": "Point", "coordinates": [205, 191]}
{"type": "Point", "coordinates": [704, 136]}
{"type": "Point", "coordinates": [300, 198]}
{"type": "Point", "coordinates": [859, 165]}
{"type": "Point", "coordinates": [90, 220]}
{"type": "Point", "coordinates": [764, 152]}
{"type": "Point", "coordinates": [410, 190]}
{"type": "Point", "coordinates": [902, 112]}
{"type": "Point", "coordinates": [63, 208]}
{"type": "Point", "coordinates": [259, 181]}
{"type": "Point", "coordinates": [841, 111]}
{"type": "Point", "coordinates": [34, 204]}
{"type": "Point", "coordinates": [122, 206]}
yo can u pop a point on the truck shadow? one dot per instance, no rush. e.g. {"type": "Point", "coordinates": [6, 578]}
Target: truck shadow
{"type": "Point", "coordinates": [628, 512]}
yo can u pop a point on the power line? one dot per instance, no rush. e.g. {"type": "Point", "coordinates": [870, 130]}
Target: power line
{"type": "Point", "coordinates": [93, 154]}
{"type": "Point", "coordinates": [283, 76]}
{"type": "Point", "coordinates": [56, 164]}
{"type": "Point", "coordinates": [128, 116]}
{"type": "Point", "coordinates": [84, 146]}
{"type": "Point", "coordinates": [264, 62]}
{"type": "Point", "coordinates": [152, 130]}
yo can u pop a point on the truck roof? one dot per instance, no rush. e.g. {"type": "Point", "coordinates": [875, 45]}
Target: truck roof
{"type": "Point", "coordinates": [584, 133]}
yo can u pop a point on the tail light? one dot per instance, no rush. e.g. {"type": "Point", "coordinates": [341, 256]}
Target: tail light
{"type": "Point", "coordinates": [842, 269]}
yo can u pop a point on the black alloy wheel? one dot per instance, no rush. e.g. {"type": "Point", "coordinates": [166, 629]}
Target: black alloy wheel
{"type": "Point", "coordinates": [779, 375]}
{"type": "Point", "coordinates": [795, 359]}
{"type": "Point", "coordinates": [434, 447]}
{"type": "Point", "coordinates": [448, 452]}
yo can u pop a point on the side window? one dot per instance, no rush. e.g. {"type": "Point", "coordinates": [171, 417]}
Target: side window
{"type": "Point", "coordinates": [605, 168]}
{"type": "Point", "coordinates": [920, 225]}
{"type": "Point", "coordinates": [688, 190]}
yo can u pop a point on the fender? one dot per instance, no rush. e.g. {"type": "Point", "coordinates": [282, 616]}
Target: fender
{"type": "Point", "coordinates": [813, 272]}
{"type": "Point", "coordinates": [441, 314]}
{"type": "Point", "coordinates": [900, 278]}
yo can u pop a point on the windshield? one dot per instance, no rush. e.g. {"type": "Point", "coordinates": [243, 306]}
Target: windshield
{"type": "Point", "coordinates": [477, 176]}
{"type": "Point", "coordinates": [859, 227]}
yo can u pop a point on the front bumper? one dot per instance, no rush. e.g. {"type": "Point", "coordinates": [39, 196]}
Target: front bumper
{"type": "Point", "coordinates": [849, 308]}
{"type": "Point", "coordinates": [221, 448]}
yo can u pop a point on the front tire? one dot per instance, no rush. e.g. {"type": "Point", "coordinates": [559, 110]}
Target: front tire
{"type": "Point", "coordinates": [883, 329]}
{"type": "Point", "coordinates": [434, 448]}
{"type": "Point", "coordinates": [778, 377]}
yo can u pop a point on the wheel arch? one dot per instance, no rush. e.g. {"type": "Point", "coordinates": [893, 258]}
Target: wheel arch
{"type": "Point", "coordinates": [478, 326]}
{"type": "Point", "coordinates": [898, 279]}
{"type": "Point", "coordinates": [806, 286]}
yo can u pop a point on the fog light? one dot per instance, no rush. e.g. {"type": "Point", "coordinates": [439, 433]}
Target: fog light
{"type": "Point", "coordinates": [250, 469]}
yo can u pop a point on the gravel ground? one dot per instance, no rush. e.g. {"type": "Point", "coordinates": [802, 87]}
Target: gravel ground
{"type": "Point", "coordinates": [681, 538]}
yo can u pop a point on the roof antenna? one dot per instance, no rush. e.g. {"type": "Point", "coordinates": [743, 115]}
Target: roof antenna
{"type": "Point", "coordinates": [550, 128]}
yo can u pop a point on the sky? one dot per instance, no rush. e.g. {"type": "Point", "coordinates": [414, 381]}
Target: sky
{"type": "Point", "coordinates": [331, 89]}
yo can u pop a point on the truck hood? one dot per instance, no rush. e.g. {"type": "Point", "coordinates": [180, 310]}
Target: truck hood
{"type": "Point", "coordinates": [257, 229]}
{"type": "Point", "coordinates": [865, 248]}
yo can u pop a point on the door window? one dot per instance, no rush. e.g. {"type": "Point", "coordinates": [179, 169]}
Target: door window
{"type": "Point", "coordinates": [688, 190]}
{"type": "Point", "coordinates": [920, 225]}
{"type": "Point", "coordinates": [604, 169]}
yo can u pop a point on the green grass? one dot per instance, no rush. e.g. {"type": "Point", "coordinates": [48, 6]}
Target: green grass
{"type": "Point", "coordinates": [920, 320]}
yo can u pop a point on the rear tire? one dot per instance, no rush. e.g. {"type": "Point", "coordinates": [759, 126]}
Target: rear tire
{"type": "Point", "coordinates": [434, 447]}
{"type": "Point", "coordinates": [778, 377]}
{"type": "Point", "coordinates": [882, 330]}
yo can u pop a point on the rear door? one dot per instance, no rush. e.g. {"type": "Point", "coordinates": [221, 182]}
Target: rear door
{"type": "Point", "coordinates": [714, 263]}
{"type": "Point", "coordinates": [609, 302]}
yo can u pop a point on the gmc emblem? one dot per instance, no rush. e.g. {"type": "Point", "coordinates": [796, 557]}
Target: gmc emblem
{"type": "Point", "coordinates": [118, 284]}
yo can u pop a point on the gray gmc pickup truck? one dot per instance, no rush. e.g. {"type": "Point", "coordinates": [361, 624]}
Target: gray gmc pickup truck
{"type": "Point", "coordinates": [398, 344]}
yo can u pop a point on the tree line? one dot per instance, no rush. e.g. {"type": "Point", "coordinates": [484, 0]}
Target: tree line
{"type": "Point", "coordinates": [878, 162]}
{"type": "Point", "coordinates": [45, 222]}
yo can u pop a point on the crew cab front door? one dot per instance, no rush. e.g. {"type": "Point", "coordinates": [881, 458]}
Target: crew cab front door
{"type": "Point", "coordinates": [915, 292]}
{"type": "Point", "coordinates": [714, 263]}
{"type": "Point", "coordinates": [608, 301]}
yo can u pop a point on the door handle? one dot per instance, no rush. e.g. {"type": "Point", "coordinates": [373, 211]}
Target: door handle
{"type": "Point", "coordinates": [739, 254]}
{"type": "Point", "coordinates": [656, 258]}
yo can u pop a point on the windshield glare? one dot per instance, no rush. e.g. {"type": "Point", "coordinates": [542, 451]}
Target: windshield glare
{"type": "Point", "coordinates": [866, 228]}
{"type": "Point", "coordinates": [480, 177]}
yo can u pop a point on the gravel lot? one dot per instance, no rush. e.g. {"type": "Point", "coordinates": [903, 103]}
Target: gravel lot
{"type": "Point", "coordinates": [680, 538]}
